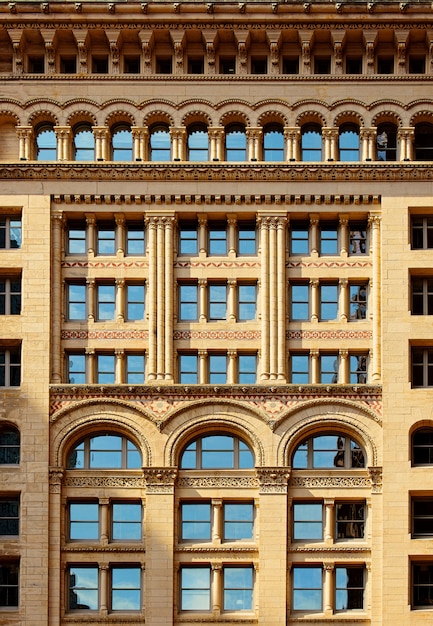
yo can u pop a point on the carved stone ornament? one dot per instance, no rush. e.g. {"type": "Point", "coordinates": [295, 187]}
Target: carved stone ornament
{"type": "Point", "coordinates": [56, 478]}
{"type": "Point", "coordinates": [160, 480]}
{"type": "Point", "coordinates": [212, 482]}
{"type": "Point", "coordinates": [331, 481]}
{"type": "Point", "coordinates": [273, 479]}
{"type": "Point", "coordinates": [105, 481]}
{"type": "Point", "coordinates": [376, 479]}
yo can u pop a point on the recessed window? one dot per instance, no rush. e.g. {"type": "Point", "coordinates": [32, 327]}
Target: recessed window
{"type": "Point", "coordinates": [350, 520]}
{"type": "Point", "coordinates": [36, 64]}
{"type": "Point", "coordinates": [386, 142]}
{"type": "Point", "coordinates": [358, 301]}
{"type": "Point", "coordinates": [238, 521]}
{"type": "Point", "coordinates": [160, 143]}
{"type": "Point", "coordinates": [105, 369]}
{"type": "Point", "coordinates": [422, 517]}
{"type": "Point", "coordinates": [259, 65]}
{"type": "Point", "coordinates": [46, 143]}
{"type": "Point", "coordinates": [188, 239]}
{"type": "Point", "coordinates": [135, 295]}
{"type": "Point", "coordinates": [10, 515]}
{"type": "Point", "coordinates": [10, 232]}
{"type": "Point", "coordinates": [299, 369]}
{"type": "Point", "coordinates": [307, 588]}
{"type": "Point", "coordinates": [290, 65]}
{"type": "Point", "coordinates": [100, 64]}
{"type": "Point", "coordinates": [311, 142]}
{"type": "Point", "coordinates": [9, 584]}
{"type": "Point", "coordinates": [76, 295]}
{"type": "Point", "coordinates": [131, 64]}
{"type": "Point", "coordinates": [299, 302]}
{"type": "Point", "coordinates": [422, 296]}
{"type": "Point", "coordinates": [217, 369]}
{"type": "Point", "coordinates": [106, 239]}
{"type": "Point", "coordinates": [422, 585]}
{"type": "Point", "coordinates": [126, 521]}
{"type": "Point", "coordinates": [322, 65]}
{"type": "Point", "coordinates": [125, 588]}
{"type": "Point", "coordinates": [247, 369]}
{"type": "Point", "coordinates": [236, 143]}
{"type": "Point", "coordinates": [354, 65]}
{"type": "Point", "coordinates": [164, 65]}
{"type": "Point", "coordinates": [328, 239]}
{"type": "Point", "coordinates": [349, 142]}
{"type": "Point", "coordinates": [195, 65]}
{"type": "Point", "coordinates": [10, 295]}
{"type": "Point", "coordinates": [358, 369]}
{"type": "Point", "coordinates": [217, 237]}
{"type": "Point", "coordinates": [422, 367]}
{"type": "Point", "coordinates": [247, 239]}
{"type": "Point", "coordinates": [76, 238]}
{"type": "Point", "coordinates": [188, 369]}
{"type": "Point", "coordinates": [247, 302]}
{"type": "Point", "coordinates": [273, 143]}
{"type": "Point", "coordinates": [10, 367]}
{"type": "Point", "coordinates": [423, 142]}
{"type": "Point", "coordinates": [416, 64]}
{"type": "Point", "coordinates": [349, 588]}
{"type": "Point", "coordinates": [328, 302]}
{"type": "Point", "coordinates": [105, 302]}
{"type": "Point", "coordinates": [422, 447]}
{"type": "Point", "coordinates": [227, 65]}
{"type": "Point", "coordinates": [134, 368]}
{"type": "Point", "coordinates": [76, 369]}
{"type": "Point", "coordinates": [188, 302]}
{"type": "Point", "coordinates": [385, 65]}
{"type": "Point", "coordinates": [217, 302]}
{"type": "Point", "coordinates": [299, 238]}
{"type": "Point", "coordinates": [83, 521]}
{"type": "Point", "coordinates": [135, 239]}
{"type": "Point", "coordinates": [328, 452]}
{"type": "Point", "coordinates": [105, 452]}
{"type": "Point", "coordinates": [357, 238]}
{"type": "Point", "coordinates": [328, 368]}
{"type": "Point", "coordinates": [83, 588]}
{"type": "Point", "coordinates": [84, 143]}
{"type": "Point", "coordinates": [238, 588]}
{"type": "Point", "coordinates": [9, 446]}
{"type": "Point", "coordinates": [217, 452]}
{"type": "Point", "coordinates": [195, 588]}
{"type": "Point", "coordinates": [198, 143]}
{"type": "Point", "coordinates": [68, 64]}
{"type": "Point", "coordinates": [422, 232]}
{"type": "Point", "coordinates": [308, 521]}
{"type": "Point", "coordinates": [121, 143]}
{"type": "Point", "coordinates": [196, 521]}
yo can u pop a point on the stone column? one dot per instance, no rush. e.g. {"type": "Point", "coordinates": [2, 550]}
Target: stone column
{"type": "Point", "coordinates": [202, 367]}
{"type": "Point", "coordinates": [329, 521]}
{"type": "Point", "coordinates": [56, 514]}
{"type": "Point", "coordinates": [314, 295]}
{"type": "Point", "coordinates": [216, 586]}
{"type": "Point", "coordinates": [273, 305]}
{"type": "Point", "coordinates": [25, 136]}
{"type": "Point", "coordinates": [264, 236]}
{"type": "Point", "coordinates": [120, 366]}
{"type": "Point", "coordinates": [343, 300]}
{"type": "Point", "coordinates": [374, 304]}
{"type": "Point", "coordinates": [272, 592]}
{"type": "Point", "coordinates": [90, 292]}
{"type": "Point", "coordinates": [91, 234]}
{"type": "Point", "coordinates": [367, 137]}
{"type": "Point", "coordinates": [169, 302]}
{"type": "Point", "coordinates": [328, 589]}
{"type": "Point", "coordinates": [178, 138]}
{"type": "Point", "coordinates": [64, 140]}
{"type": "Point", "coordinates": [314, 356]}
{"type": "Point", "coordinates": [202, 285]}
{"type": "Point", "coordinates": [314, 234]}
{"type": "Point", "coordinates": [56, 292]}
{"type": "Point", "coordinates": [140, 138]}
{"type": "Point", "coordinates": [104, 504]}
{"type": "Point", "coordinates": [232, 222]}
{"type": "Point", "coordinates": [231, 369]}
{"type": "Point", "coordinates": [103, 590]}
{"type": "Point", "coordinates": [120, 234]}
{"type": "Point", "coordinates": [216, 141]}
{"type": "Point", "coordinates": [217, 521]}
{"type": "Point", "coordinates": [159, 525]}
{"type": "Point", "coordinates": [202, 235]}
{"type": "Point", "coordinates": [160, 299]}
{"type": "Point", "coordinates": [281, 299]}
{"type": "Point", "coordinates": [254, 143]}
{"type": "Point", "coordinates": [152, 298]}
{"type": "Point", "coordinates": [292, 136]}
{"type": "Point", "coordinates": [405, 137]}
{"type": "Point", "coordinates": [232, 308]}
{"type": "Point", "coordinates": [343, 370]}
{"type": "Point", "coordinates": [100, 134]}
{"type": "Point", "coordinates": [330, 143]}
{"type": "Point", "coordinates": [344, 234]}
{"type": "Point", "coordinates": [90, 365]}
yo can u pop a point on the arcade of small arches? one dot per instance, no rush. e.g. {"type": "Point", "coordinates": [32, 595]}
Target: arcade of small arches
{"type": "Point", "coordinates": [233, 137]}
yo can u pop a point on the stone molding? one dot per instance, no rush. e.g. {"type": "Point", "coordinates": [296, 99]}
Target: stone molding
{"type": "Point", "coordinates": [160, 480]}
{"type": "Point", "coordinates": [273, 479]}
{"type": "Point", "coordinates": [338, 481]}
{"type": "Point", "coordinates": [235, 482]}
{"type": "Point", "coordinates": [104, 481]}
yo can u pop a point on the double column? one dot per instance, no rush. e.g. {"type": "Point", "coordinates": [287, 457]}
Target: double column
{"type": "Point", "coordinates": [160, 298]}
{"type": "Point", "coordinates": [273, 297]}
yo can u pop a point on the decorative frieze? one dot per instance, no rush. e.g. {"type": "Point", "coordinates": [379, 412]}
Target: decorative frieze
{"type": "Point", "coordinates": [339, 481]}
{"type": "Point", "coordinates": [160, 480]}
{"type": "Point", "coordinates": [273, 479]}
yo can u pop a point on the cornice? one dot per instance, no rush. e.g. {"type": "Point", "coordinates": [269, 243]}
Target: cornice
{"type": "Point", "coordinates": [227, 172]}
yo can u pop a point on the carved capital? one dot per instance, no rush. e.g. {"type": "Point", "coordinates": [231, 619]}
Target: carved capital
{"type": "Point", "coordinates": [160, 479]}
{"type": "Point", "coordinates": [273, 479]}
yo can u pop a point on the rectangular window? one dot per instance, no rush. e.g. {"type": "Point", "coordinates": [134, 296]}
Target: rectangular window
{"type": "Point", "coordinates": [290, 65]}
{"type": "Point", "coordinates": [238, 588]}
{"type": "Point", "coordinates": [10, 295]}
{"type": "Point", "coordinates": [247, 369]}
{"type": "Point", "coordinates": [385, 65]}
{"type": "Point", "coordinates": [308, 521]}
{"type": "Point", "coordinates": [106, 302]}
{"type": "Point", "coordinates": [125, 588]}
{"type": "Point", "coordinates": [358, 301]}
{"type": "Point", "coordinates": [217, 302]}
{"type": "Point", "coordinates": [106, 239]}
{"type": "Point", "coordinates": [328, 368]}
{"type": "Point", "coordinates": [10, 515]}
{"type": "Point", "coordinates": [196, 519]}
{"type": "Point", "coordinates": [100, 64]}
{"type": "Point", "coordinates": [84, 521]}
{"type": "Point", "coordinates": [126, 521]}
{"type": "Point", "coordinates": [349, 588]}
{"type": "Point", "coordinates": [422, 517]}
{"type": "Point", "coordinates": [135, 302]}
{"type": "Point", "coordinates": [422, 296]}
{"type": "Point", "coordinates": [217, 369]}
{"type": "Point", "coordinates": [422, 367]}
{"type": "Point", "coordinates": [358, 238]}
{"type": "Point", "coordinates": [188, 239]}
{"type": "Point", "coordinates": [300, 369]}
{"type": "Point", "coordinates": [76, 366]}
{"type": "Point", "coordinates": [10, 367]}
{"type": "Point", "coordinates": [307, 588]}
{"type": "Point", "coordinates": [164, 65]}
{"type": "Point", "coordinates": [322, 65]}
{"type": "Point", "coordinates": [217, 236]}
{"type": "Point", "coordinates": [328, 302]}
{"type": "Point", "coordinates": [358, 369]}
{"type": "Point", "coordinates": [422, 232]}
{"type": "Point", "coordinates": [76, 238]}
{"type": "Point", "coordinates": [328, 239]}
{"type": "Point", "coordinates": [9, 584]}
{"type": "Point", "coordinates": [10, 232]}
{"type": "Point", "coordinates": [188, 372]}
{"type": "Point", "coordinates": [350, 520]}
{"type": "Point", "coordinates": [131, 64]}
{"type": "Point", "coordinates": [300, 309]}
{"type": "Point", "coordinates": [422, 585]}
{"type": "Point", "coordinates": [135, 241]}
{"type": "Point", "coordinates": [416, 64]}
{"type": "Point", "coordinates": [238, 521]}
{"type": "Point", "coordinates": [247, 297]}
{"type": "Point", "coordinates": [195, 588]}
{"type": "Point", "coordinates": [247, 240]}
{"type": "Point", "coordinates": [76, 294]}
{"type": "Point", "coordinates": [299, 239]}
{"type": "Point", "coordinates": [188, 303]}
{"type": "Point", "coordinates": [105, 369]}
{"type": "Point", "coordinates": [83, 588]}
{"type": "Point", "coordinates": [134, 369]}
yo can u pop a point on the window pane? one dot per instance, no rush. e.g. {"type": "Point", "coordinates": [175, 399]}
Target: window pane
{"type": "Point", "coordinates": [350, 520]}
{"type": "Point", "coordinates": [238, 588]}
{"type": "Point", "coordinates": [217, 369]}
{"type": "Point", "coordinates": [300, 368]}
{"type": "Point", "coordinates": [358, 302]}
{"type": "Point", "coordinates": [9, 584]}
{"type": "Point", "coordinates": [135, 302]}
{"type": "Point", "coordinates": [84, 145]}
{"type": "Point", "coordinates": [106, 369]}
{"type": "Point", "coordinates": [247, 302]}
{"type": "Point", "coordinates": [328, 240]}
{"type": "Point", "coordinates": [77, 302]}
{"type": "Point", "coordinates": [188, 310]}
{"type": "Point", "coordinates": [84, 521]}
{"type": "Point", "coordinates": [160, 145]}
{"type": "Point", "coordinates": [247, 240]}
{"type": "Point", "coordinates": [358, 369]}
{"type": "Point", "coordinates": [196, 521]}
{"type": "Point", "coordinates": [329, 369]}
{"type": "Point", "coordinates": [311, 143]}
{"type": "Point", "coordinates": [9, 516]}
{"type": "Point", "coordinates": [46, 145]}
{"type": "Point", "coordinates": [135, 239]}
{"type": "Point", "coordinates": [122, 145]}
{"type": "Point", "coordinates": [300, 302]}
{"type": "Point", "coordinates": [299, 239]}
{"type": "Point", "coordinates": [273, 145]}
{"type": "Point", "coordinates": [106, 240]}
{"type": "Point", "coordinates": [77, 240]}
{"type": "Point", "coordinates": [106, 302]}
{"type": "Point", "coordinates": [188, 240]}
{"type": "Point", "coordinates": [198, 145]}
{"type": "Point", "coordinates": [217, 302]}
{"type": "Point", "coordinates": [247, 364]}
{"type": "Point", "coordinates": [83, 588]}
{"type": "Point", "coordinates": [217, 241]}
{"type": "Point", "coordinates": [307, 521]}
{"type": "Point", "coordinates": [195, 589]}
{"type": "Point", "coordinates": [307, 588]}
{"type": "Point", "coordinates": [77, 369]}
{"type": "Point", "coordinates": [349, 593]}
{"type": "Point", "coordinates": [238, 521]}
{"type": "Point", "coordinates": [135, 369]}
{"type": "Point", "coordinates": [126, 521]}
{"type": "Point", "coordinates": [188, 373]}
{"type": "Point", "coordinates": [126, 588]}
{"type": "Point", "coordinates": [236, 145]}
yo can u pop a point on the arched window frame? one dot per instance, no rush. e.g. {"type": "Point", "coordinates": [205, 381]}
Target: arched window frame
{"type": "Point", "coordinates": [386, 142]}
{"type": "Point", "coordinates": [348, 142]}
{"type": "Point", "coordinates": [84, 146]}
{"type": "Point", "coordinates": [127, 452]}
{"type": "Point", "coordinates": [347, 453]}
{"type": "Point", "coordinates": [161, 152]}
{"type": "Point", "coordinates": [121, 150]}
{"type": "Point", "coordinates": [45, 142]}
{"type": "Point", "coordinates": [242, 455]}
{"type": "Point", "coordinates": [236, 143]}
{"type": "Point", "coordinates": [422, 446]}
{"type": "Point", "coordinates": [198, 143]}
{"type": "Point", "coordinates": [311, 142]}
{"type": "Point", "coordinates": [273, 143]}
{"type": "Point", "coordinates": [10, 445]}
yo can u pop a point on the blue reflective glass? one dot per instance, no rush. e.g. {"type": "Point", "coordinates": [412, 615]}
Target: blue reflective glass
{"type": "Point", "coordinates": [84, 142]}
{"type": "Point", "coordinates": [160, 145]}
{"type": "Point", "coordinates": [300, 368]}
{"type": "Point", "coordinates": [247, 240]}
{"type": "Point", "coordinates": [307, 588]}
{"type": "Point", "coordinates": [106, 452]}
{"type": "Point", "coordinates": [198, 145]}
{"type": "Point", "coordinates": [299, 240]}
{"type": "Point", "coordinates": [195, 589]}
{"type": "Point", "coordinates": [238, 588]}
{"type": "Point", "coordinates": [105, 369]}
{"type": "Point", "coordinates": [247, 365]}
{"type": "Point", "coordinates": [236, 145]}
{"type": "Point", "coordinates": [238, 521]}
{"type": "Point", "coordinates": [77, 369]}
{"type": "Point", "coordinates": [349, 143]}
{"type": "Point", "coordinates": [307, 521]}
{"type": "Point", "coordinates": [135, 239]}
{"type": "Point", "coordinates": [217, 369]}
{"type": "Point", "coordinates": [188, 310]}
{"type": "Point", "coordinates": [273, 145]}
{"type": "Point", "coordinates": [300, 302]}
{"type": "Point", "coordinates": [106, 302]}
{"type": "Point", "coordinates": [122, 145]}
{"type": "Point", "coordinates": [83, 588]}
{"type": "Point", "coordinates": [188, 240]}
{"type": "Point", "coordinates": [247, 302]}
{"type": "Point", "coordinates": [46, 145]}
{"type": "Point", "coordinates": [76, 302]}
{"type": "Point", "coordinates": [106, 240]}
{"type": "Point", "coordinates": [358, 369]}
{"type": "Point", "coordinates": [217, 302]}
{"type": "Point", "coordinates": [84, 521]}
{"type": "Point", "coordinates": [328, 302]}
{"type": "Point", "coordinates": [217, 241]}
{"type": "Point", "coordinates": [126, 588]}
{"type": "Point", "coordinates": [135, 369]}
{"type": "Point", "coordinates": [311, 143]}
{"type": "Point", "coordinates": [329, 368]}
{"type": "Point", "coordinates": [328, 240]}
{"type": "Point", "coordinates": [188, 372]}
{"type": "Point", "coordinates": [135, 302]}
{"type": "Point", "coordinates": [77, 240]}
{"type": "Point", "coordinates": [126, 524]}
{"type": "Point", "coordinates": [196, 521]}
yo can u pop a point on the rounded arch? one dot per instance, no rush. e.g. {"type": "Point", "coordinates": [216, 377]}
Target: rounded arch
{"type": "Point", "coordinates": [9, 117]}
{"type": "Point", "coordinates": [158, 116]}
{"type": "Point", "coordinates": [43, 117]}
{"type": "Point", "coordinates": [337, 417]}
{"type": "Point", "coordinates": [386, 117]}
{"type": "Point", "coordinates": [272, 117]}
{"type": "Point", "coordinates": [117, 117]}
{"type": "Point", "coordinates": [424, 116]}
{"type": "Point", "coordinates": [234, 117]}
{"type": "Point", "coordinates": [70, 426]}
{"type": "Point", "coordinates": [81, 117]}
{"type": "Point", "coordinates": [212, 417]}
{"type": "Point", "coordinates": [196, 117]}
{"type": "Point", "coordinates": [349, 117]}
{"type": "Point", "coordinates": [420, 445]}
{"type": "Point", "coordinates": [310, 117]}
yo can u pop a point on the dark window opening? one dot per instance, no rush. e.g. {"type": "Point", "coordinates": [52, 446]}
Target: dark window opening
{"type": "Point", "coordinates": [259, 65]}
{"type": "Point", "coordinates": [291, 65]}
{"type": "Point", "coordinates": [100, 65]}
{"type": "Point", "coordinates": [131, 64]}
{"type": "Point", "coordinates": [322, 65]}
{"type": "Point", "coordinates": [68, 65]}
{"type": "Point", "coordinates": [416, 65]}
{"type": "Point", "coordinates": [195, 65]}
{"type": "Point", "coordinates": [164, 65]}
{"type": "Point", "coordinates": [354, 65]}
{"type": "Point", "coordinates": [36, 65]}
{"type": "Point", "coordinates": [228, 65]}
{"type": "Point", "coordinates": [385, 65]}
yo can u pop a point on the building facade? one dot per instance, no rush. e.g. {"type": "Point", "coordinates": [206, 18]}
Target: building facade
{"type": "Point", "coordinates": [216, 353]}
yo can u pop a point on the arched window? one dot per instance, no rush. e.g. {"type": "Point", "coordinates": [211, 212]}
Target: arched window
{"type": "Point", "coordinates": [217, 452]}
{"type": "Point", "coordinates": [273, 143]}
{"type": "Point", "coordinates": [349, 142]}
{"type": "Point", "coordinates": [311, 142]}
{"type": "Point", "coordinates": [46, 143]}
{"type": "Point", "coordinates": [198, 143]}
{"type": "Point", "coordinates": [9, 446]}
{"type": "Point", "coordinates": [107, 451]}
{"type": "Point", "coordinates": [84, 143]}
{"type": "Point", "coordinates": [422, 447]}
{"type": "Point", "coordinates": [121, 143]}
{"type": "Point", "coordinates": [330, 451]}
{"type": "Point", "coordinates": [386, 142]}
{"type": "Point", "coordinates": [424, 142]}
{"type": "Point", "coordinates": [236, 143]}
{"type": "Point", "coordinates": [160, 144]}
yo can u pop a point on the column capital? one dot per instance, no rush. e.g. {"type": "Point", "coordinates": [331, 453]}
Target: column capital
{"type": "Point", "coordinates": [160, 480]}
{"type": "Point", "coordinates": [273, 479]}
